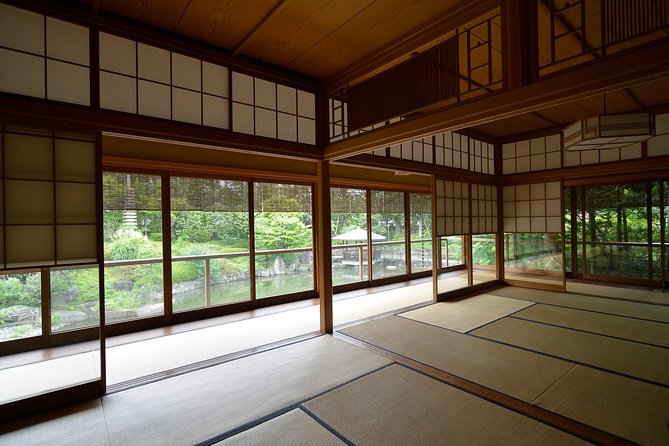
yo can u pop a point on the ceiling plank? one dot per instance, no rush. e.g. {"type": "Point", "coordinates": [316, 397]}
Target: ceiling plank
{"type": "Point", "coordinates": [429, 33]}
{"type": "Point", "coordinates": [608, 74]}
{"type": "Point", "coordinates": [259, 26]}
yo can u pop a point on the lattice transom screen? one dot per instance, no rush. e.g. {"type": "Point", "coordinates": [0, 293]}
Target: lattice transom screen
{"type": "Point", "coordinates": [452, 203]}
{"type": "Point", "coordinates": [533, 208]}
{"type": "Point", "coordinates": [484, 209]}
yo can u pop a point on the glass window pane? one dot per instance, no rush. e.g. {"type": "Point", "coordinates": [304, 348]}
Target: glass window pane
{"type": "Point", "coordinates": [210, 242]}
{"type": "Point", "coordinates": [533, 257]}
{"type": "Point", "coordinates": [20, 305]}
{"type": "Point", "coordinates": [421, 232]}
{"type": "Point", "coordinates": [133, 246]}
{"type": "Point", "coordinates": [484, 259]}
{"type": "Point", "coordinates": [388, 234]}
{"type": "Point", "coordinates": [283, 239]}
{"type": "Point", "coordinates": [75, 301]}
{"type": "Point", "coordinates": [349, 235]}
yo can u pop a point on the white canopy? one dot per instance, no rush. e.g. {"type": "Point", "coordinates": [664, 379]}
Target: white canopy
{"type": "Point", "coordinates": [357, 234]}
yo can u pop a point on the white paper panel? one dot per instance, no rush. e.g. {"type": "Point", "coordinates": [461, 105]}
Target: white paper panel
{"type": "Point", "coordinates": [28, 157]}
{"type": "Point", "coordinates": [75, 160]}
{"type": "Point", "coordinates": [609, 155]}
{"type": "Point", "coordinates": [537, 145]}
{"type": "Point", "coordinates": [287, 127]}
{"type": "Point", "coordinates": [553, 189]}
{"type": "Point", "coordinates": [538, 224]}
{"type": "Point", "coordinates": [522, 148]}
{"type": "Point", "coordinates": [553, 160]}
{"type": "Point", "coordinates": [216, 111]}
{"type": "Point", "coordinates": [21, 29]}
{"type": "Point", "coordinates": [523, 192]}
{"type": "Point", "coordinates": [117, 54]}
{"type": "Point", "coordinates": [242, 89]}
{"type": "Point", "coordinates": [306, 131]}
{"type": "Point", "coordinates": [553, 208]}
{"type": "Point", "coordinates": [265, 123]}
{"type": "Point", "coordinates": [215, 79]}
{"type": "Point", "coordinates": [21, 73]}
{"type": "Point", "coordinates": [553, 143]}
{"type": "Point", "coordinates": [658, 145]}
{"type": "Point", "coordinates": [523, 224]}
{"type": "Point", "coordinates": [29, 246]}
{"type": "Point", "coordinates": [186, 106]}
{"type": "Point", "coordinates": [153, 63]}
{"type": "Point", "coordinates": [554, 224]}
{"type": "Point", "coordinates": [537, 162]}
{"type": "Point", "coordinates": [28, 202]}
{"type": "Point", "coordinates": [287, 101]}
{"type": "Point", "coordinates": [571, 158]}
{"type": "Point", "coordinates": [589, 156]}
{"type": "Point", "coordinates": [67, 41]}
{"type": "Point", "coordinates": [630, 152]}
{"type": "Point", "coordinates": [154, 99]}
{"type": "Point", "coordinates": [306, 104]}
{"type": "Point", "coordinates": [118, 92]}
{"type": "Point", "coordinates": [538, 208]}
{"type": "Point", "coordinates": [186, 72]}
{"type": "Point", "coordinates": [242, 118]}
{"type": "Point", "coordinates": [523, 208]}
{"type": "Point", "coordinates": [523, 164]}
{"type": "Point", "coordinates": [75, 203]}
{"type": "Point", "coordinates": [68, 83]}
{"type": "Point", "coordinates": [537, 191]}
{"type": "Point", "coordinates": [76, 244]}
{"type": "Point", "coordinates": [265, 94]}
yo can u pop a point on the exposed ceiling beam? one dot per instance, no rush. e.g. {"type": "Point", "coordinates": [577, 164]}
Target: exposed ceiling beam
{"type": "Point", "coordinates": [608, 74]}
{"type": "Point", "coordinates": [419, 38]}
{"type": "Point", "coordinates": [259, 26]}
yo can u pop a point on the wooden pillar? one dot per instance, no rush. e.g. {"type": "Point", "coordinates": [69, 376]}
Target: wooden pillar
{"type": "Point", "coordinates": [324, 245]}
{"type": "Point", "coordinates": [519, 42]}
{"type": "Point", "coordinates": [435, 244]}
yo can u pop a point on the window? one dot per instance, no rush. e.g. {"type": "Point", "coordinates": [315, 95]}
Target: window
{"type": "Point", "coordinates": [421, 232]}
{"type": "Point", "coordinates": [133, 246]}
{"type": "Point", "coordinates": [210, 242]}
{"type": "Point", "coordinates": [388, 234]}
{"type": "Point", "coordinates": [349, 235]}
{"type": "Point", "coordinates": [283, 239]}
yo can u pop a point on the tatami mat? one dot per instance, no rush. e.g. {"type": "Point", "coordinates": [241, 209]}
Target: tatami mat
{"type": "Point", "coordinates": [397, 406]}
{"type": "Point", "coordinates": [656, 333]}
{"type": "Point", "coordinates": [630, 358]}
{"type": "Point", "coordinates": [294, 428]}
{"type": "Point", "coordinates": [569, 300]}
{"type": "Point", "coordinates": [653, 312]}
{"type": "Point", "coordinates": [81, 424]}
{"type": "Point", "coordinates": [524, 375]}
{"type": "Point", "coordinates": [200, 405]}
{"type": "Point", "coordinates": [653, 297]}
{"type": "Point", "coordinates": [466, 314]}
{"type": "Point", "coordinates": [626, 407]}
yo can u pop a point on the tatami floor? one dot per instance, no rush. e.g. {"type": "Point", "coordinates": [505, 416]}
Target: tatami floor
{"type": "Point", "coordinates": [509, 366]}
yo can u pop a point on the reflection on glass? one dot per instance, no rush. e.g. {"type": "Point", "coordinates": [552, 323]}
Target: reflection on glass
{"type": "Point", "coordinates": [349, 236]}
{"type": "Point", "coordinates": [533, 257]}
{"type": "Point", "coordinates": [484, 258]}
{"type": "Point", "coordinates": [20, 305]}
{"type": "Point", "coordinates": [75, 301]}
{"type": "Point", "coordinates": [388, 235]}
{"type": "Point", "coordinates": [421, 232]}
{"type": "Point", "coordinates": [133, 246]}
{"type": "Point", "coordinates": [452, 271]}
{"type": "Point", "coordinates": [283, 239]}
{"type": "Point", "coordinates": [210, 242]}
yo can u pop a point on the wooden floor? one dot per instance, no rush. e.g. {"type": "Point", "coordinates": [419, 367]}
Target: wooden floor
{"type": "Point", "coordinates": [509, 366]}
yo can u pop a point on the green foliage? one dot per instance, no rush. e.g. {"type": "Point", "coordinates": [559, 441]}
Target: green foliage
{"type": "Point", "coordinates": [123, 248]}
{"type": "Point", "coordinates": [84, 280]}
{"type": "Point", "coordinates": [122, 300]}
{"type": "Point", "coordinates": [281, 230]}
{"type": "Point", "coordinates": [20, 331]}
{"type": "Point", "coordinates": [20, 289]}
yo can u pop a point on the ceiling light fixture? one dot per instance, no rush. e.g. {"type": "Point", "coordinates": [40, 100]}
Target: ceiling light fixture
{"type": "Point", "coordinates": [609, 131]}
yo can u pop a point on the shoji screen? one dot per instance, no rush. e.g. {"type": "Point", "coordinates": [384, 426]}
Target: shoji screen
{"type": "Point", "coordinates": [484, 209]}
{"type": "Point", "coordinates": [452, 208]}
{"type": "Point", "coordinates": [533, 208]}
{"type": "Point", "coordinates": [43, 57]}
{"type": "Point", "coordinates": [49, 199]}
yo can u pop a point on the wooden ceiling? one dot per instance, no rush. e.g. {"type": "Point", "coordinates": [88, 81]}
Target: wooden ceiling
{"type": "Point", "coordinates": [652, 96]}
{"type": "Point", "coordinates": [320, 38]}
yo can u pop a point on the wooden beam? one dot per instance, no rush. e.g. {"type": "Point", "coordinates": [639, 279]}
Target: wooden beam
{"type": "Point", "coordinates": [608, 74]}
{"type": "Point", "coordinates": [419, 38]}
{"type": "Point", "coordinates": [324, 246]}
{"type": "Point", "coordinates": [259, 26]}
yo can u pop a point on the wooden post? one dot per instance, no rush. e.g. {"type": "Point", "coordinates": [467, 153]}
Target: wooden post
{"type": "Point", "coordinates": [324, 244]}
{"type": "Point", "coordinates": [435, 244]}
